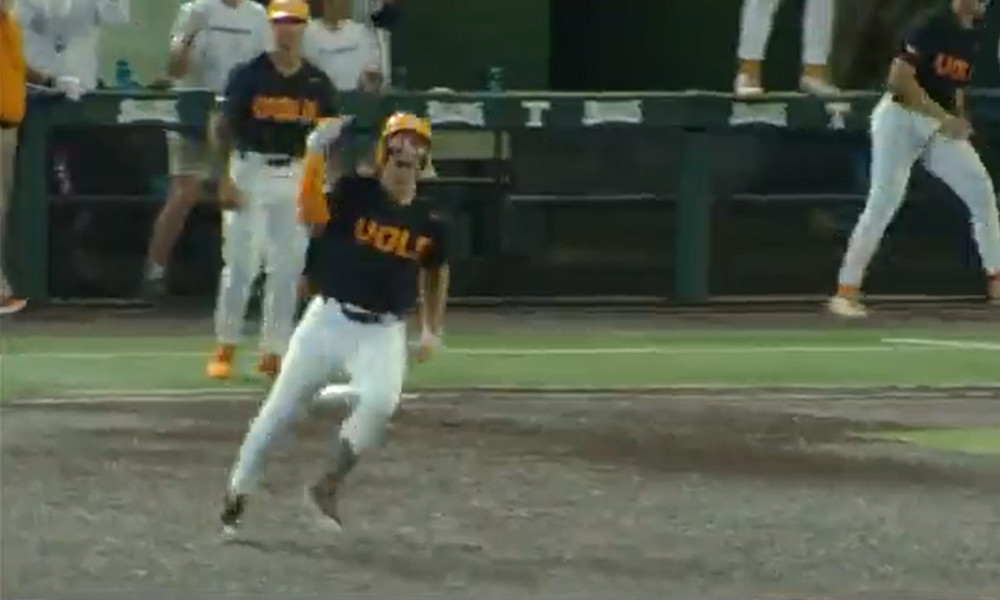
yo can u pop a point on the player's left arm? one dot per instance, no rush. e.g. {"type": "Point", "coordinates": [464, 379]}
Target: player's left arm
{"type": "Point", "coordinates": [113, 12]}
{"type": "Point", "coordinates": [434, 280]}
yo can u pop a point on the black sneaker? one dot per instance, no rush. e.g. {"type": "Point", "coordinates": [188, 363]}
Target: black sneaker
{"type": "Point", "coordinates": [322, 498]}
{"type": "Point", "coordinates": [153, 288]}
{"type": "Point", "coordinates": [232, 509]}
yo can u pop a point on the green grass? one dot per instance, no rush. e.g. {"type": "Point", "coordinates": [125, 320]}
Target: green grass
{"type": "Point", "coordinates": [973, 441]}
{"type": "Point", "coordinates": [37, 365]}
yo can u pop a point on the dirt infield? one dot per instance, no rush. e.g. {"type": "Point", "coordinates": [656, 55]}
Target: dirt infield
{"type": "Point", "coordinates": [723, 494]}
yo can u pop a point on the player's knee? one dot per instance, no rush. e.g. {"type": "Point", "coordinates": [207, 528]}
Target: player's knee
{"type": "Point", "coordinates": [236, 274]}
{"type": "Point", "coordinates": [979, 191]}
{"type": "Point", "coordinates": [184, 190]}
{"type": "Point", "coordinates": [366, 427]}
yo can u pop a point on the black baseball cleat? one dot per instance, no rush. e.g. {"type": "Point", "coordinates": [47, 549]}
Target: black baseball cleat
{"type": "Point", "coordinates": [322, 499]}
{"type": "Point", "coordinates": [232, 509]}
{"type": "Point", "coordinates": [152, 288]}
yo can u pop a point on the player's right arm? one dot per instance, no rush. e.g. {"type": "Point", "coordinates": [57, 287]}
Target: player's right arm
{"type": "Point", "coordinates": [235, 110]}
{"type": "Point", "coordinates": [903, 82]}
{"type": "Point", "coordinates": [190, 21]}
{"type": "Point", "coordinates": [320, 174]}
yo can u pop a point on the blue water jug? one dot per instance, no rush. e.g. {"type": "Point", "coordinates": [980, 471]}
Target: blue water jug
{"type": "Point", "coordinates": [123, 75]}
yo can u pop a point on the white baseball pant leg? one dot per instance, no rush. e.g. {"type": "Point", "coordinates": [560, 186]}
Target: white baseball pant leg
{"type": "Point", "coordinates": [285, 241]}
{"type": "Point", "coordinates": [377, 369]}
{"type": "Point", "coordinates": [756, 20]}
{"type": "Point", "coordinates": [957, 163]}
{"type": "Point", "coordinates": [241, 255]}
{"type": "Point", "coordinates": [899, 136]}
{"type": "Point", "coordinates": [817, 31]}
{"type": "Point", "coordinates": [323, 341]}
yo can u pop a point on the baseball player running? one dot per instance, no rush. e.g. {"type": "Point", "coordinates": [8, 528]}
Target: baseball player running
{"type": "Point", "coordinates": [210, 38]}
{"type": "Point", "coordinates": [923, 117]}
{"type": "Point", "coordinates": [270, 105]}
{"type": "Point", "coordinates": [817, 36]}
{"type": "Point", "coordinates": [372, 248]}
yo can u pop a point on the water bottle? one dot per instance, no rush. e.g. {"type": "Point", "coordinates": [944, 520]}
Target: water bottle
{"type": "Point", "coordinates": [494, 82]}
{"type": "Point", "coordinates": [123, 74]}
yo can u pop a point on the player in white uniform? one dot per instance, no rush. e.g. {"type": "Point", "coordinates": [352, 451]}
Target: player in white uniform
{"type": "Point", "coordinates": [373, 247]}
{"type": "Point", "coordinates": [210, 37]}
{"type": "Point", "coordinates": [923, 117]}
{"type": "Point", "coordinates": [347, 51]}
{"type": "Point", "coordinates": [270, 105]}
{"type": "Point", "coordinates": [62, 38]}
{"type": "Point", "coordinates": [817, 37]}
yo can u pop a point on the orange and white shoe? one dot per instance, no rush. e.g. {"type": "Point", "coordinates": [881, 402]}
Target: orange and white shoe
{"type": "Point", "coordinates": [269, 365]}
{"type": "Point", "coordinates": [746, 84]}
{"type": "Point", "coordinates": [993, 290]}
{"type": "Point", "coordinates": [748, 78]}
{"type": "Point", "coordinates": [815, 80]}
{"type": "Point", "coordinates": [10, 305]}
{"type": "Point", "coordinates": [817, 86]}
{"type": "Point", "coordinates": [220, 366]}
{"type": "Point", "coordinates": [848, 307]}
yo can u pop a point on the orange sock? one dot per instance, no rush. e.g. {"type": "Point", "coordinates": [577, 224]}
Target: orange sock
{"type": "Point", "coordinates": [750, 68]}
{"type": "Point", "coordinates": [848, 291]}
{"type": "Point", "coordinates": [817, 71]}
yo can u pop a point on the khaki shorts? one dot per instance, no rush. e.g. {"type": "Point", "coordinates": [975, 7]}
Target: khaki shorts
{"type": "Point", "coordinates": [8, 165]}
{"type": "Point", "coordinates": [187, 156]}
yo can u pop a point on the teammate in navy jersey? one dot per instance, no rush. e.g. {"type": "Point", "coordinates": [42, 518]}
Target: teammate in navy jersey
{"type": "Point", "coordinates": [270, 105]}
{"type": "Point", "coordinates": [923, 117]}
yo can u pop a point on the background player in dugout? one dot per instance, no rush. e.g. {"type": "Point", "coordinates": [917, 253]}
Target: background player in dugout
{"type": "Point", "coordinates": [923, 116]}
{"type": "Point", "coordinates": [209, 39]}
{"type": "Point", "coordinates": [270, 106]}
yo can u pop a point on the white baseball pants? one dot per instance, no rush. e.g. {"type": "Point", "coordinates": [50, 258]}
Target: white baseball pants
{"type": "Point", "coordinates": [900, 137]}
{"type": "Point", "coordinates": [817, 30]}
{"type": "Point", "coordinates": [374, 355]}
{"type": "Point", "coordinates": [265, 231]}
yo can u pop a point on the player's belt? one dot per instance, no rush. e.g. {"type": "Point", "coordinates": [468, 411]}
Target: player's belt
{"type": "Point", "coordinates": [363, 317]}
{"type": "Point", "coordinates": [278, 161]}
{"type": "Point", "coordinates": [360, 315]}
{"type": "Point", "coordinates": [271, 160]}
{"type": "Point", "coordinates": [7, 125]}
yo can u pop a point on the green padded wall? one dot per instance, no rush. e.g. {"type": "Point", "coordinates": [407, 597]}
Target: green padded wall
{"type": "Point", "coordinates": [452, 43]}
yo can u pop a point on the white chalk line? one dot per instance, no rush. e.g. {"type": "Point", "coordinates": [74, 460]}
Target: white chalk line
{"type": "Point", "coordinates": [447, 398]}
{"type": "Point", "coordinates": [936, 343]}
{"type": "Point", "coordinates": [886, 346]}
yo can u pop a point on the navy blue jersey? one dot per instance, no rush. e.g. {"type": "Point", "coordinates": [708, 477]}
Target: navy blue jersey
{"type": "Point", "coordinates": [942, 52]}
{"type": "Point", "coordinates": [273, 113]}
{"type": "Point", "coordinates": [371, 249]}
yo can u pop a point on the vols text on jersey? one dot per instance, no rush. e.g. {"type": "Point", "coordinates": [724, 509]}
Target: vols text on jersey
{"type": "Point", "coordinates": [285, 110]}
{"type": "Point", "coordinates": [952, 67]}
{"type": "Point", "coordinates": [390, 239]}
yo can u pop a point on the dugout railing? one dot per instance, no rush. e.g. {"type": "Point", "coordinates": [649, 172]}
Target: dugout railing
{"type": "Point", "coordinates": [676, 197]}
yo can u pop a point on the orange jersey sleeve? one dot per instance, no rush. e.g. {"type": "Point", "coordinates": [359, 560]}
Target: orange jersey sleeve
{"type": "Point", "coordinates": [313, 209]}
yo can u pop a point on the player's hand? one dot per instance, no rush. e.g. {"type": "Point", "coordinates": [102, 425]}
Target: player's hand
{"type": "Point", "coordinates": [70, 86]}
{"type": "Point", "coordinates": [956, 128]}
{"type": "Point", "coordinates": [371, 80]}
{"type": "Point", "coordinates": [230, 197]}
{"type": "Point", "coordinates": [428, 344]}
{"type": "Point", "coordinates": [304, 289]}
